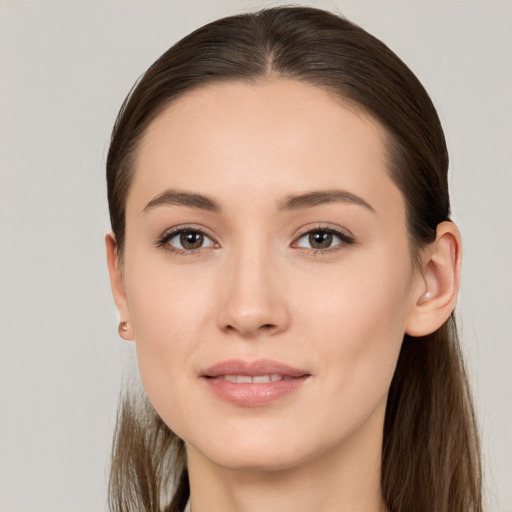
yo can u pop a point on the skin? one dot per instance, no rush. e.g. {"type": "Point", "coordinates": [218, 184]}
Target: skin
{"type": "Point", "coordinates": [255, 289]}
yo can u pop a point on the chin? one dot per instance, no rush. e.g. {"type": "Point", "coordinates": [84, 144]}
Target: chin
{"type": "Point", "coordinates": [256, 462]}
{"type": "Point", "coordinates": [261, 462]}
{"type": "Point", "coordinates": [264, 456]}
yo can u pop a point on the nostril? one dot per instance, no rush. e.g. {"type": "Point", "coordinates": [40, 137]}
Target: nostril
{"type": "Point", "coordinates": [250, 330]}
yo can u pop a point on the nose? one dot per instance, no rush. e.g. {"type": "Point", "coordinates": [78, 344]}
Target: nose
{"type": "Point", "coordinates": [253, 298]}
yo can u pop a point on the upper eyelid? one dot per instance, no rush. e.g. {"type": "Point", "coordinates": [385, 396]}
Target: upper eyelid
{"type": "Point", "coordinates": [345, 236]}
{"type": "Point", "coordinates": [163, 240]}
{"type": "Point", "coordinates": [176, 230]}
{"type": "Point", "coordinates": [174, 234]}
{"type": "Point", "coordinates": [344, 232]}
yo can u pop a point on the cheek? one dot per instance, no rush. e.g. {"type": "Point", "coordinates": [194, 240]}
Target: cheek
{"type": "Point", "coordinates": [168, 309]}
{"type": "Point", "coordinates": [359, 318]}
{"type": "Point", "coordinates": [368, 293]}
{"type": "Point", "coordinates": [166, 302]}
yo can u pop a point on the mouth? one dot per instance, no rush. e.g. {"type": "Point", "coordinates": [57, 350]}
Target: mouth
{"type": "Point", "coordinates": [253, 383]}
{"type": "Point", "coordinates": [264, 368]}
{"type": "Point", "coordinates": [256, 379]}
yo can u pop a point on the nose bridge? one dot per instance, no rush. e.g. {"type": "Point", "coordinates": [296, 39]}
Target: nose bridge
{"type": "Point", "coordinates": [253, 300]}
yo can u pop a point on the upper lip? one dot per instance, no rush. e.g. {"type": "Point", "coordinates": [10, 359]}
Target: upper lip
{"type": "Point", "coordinates": [253, 368]}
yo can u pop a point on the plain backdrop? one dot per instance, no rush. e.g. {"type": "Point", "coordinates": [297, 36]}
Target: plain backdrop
{"type": "Point", "coordinates": [65, 67]}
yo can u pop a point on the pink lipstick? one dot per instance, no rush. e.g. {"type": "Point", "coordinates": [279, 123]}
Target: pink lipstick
{"type": "Point", "coordinates": [253, 383]}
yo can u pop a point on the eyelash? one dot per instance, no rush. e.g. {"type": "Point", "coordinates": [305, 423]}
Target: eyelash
{"type": "Point", "coordinates": [344, 240]}
{"type": "Point", "coordinates": [163, 242]}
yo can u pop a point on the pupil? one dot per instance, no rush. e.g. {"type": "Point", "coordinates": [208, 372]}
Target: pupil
{"type": "Point", "coordinates": [191, 240]}
{"type": "Point", "coordinates": [320, 239]}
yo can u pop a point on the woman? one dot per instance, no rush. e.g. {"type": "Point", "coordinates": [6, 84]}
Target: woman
{"type": "Point", "coordinates": [283, 257]}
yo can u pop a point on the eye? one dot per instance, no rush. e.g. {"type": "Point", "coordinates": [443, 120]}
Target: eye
{"type": "Point", "coordinates": [323, 239]}
{"type": "Point", "coordinates": [186, 240]}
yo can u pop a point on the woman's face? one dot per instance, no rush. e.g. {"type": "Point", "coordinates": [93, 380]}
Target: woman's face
{"type": "Point", "coordinates": [267, 273]}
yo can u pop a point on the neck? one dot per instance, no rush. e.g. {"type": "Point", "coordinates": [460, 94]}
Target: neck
{"type": "Point", "coordinates": [343, 479]}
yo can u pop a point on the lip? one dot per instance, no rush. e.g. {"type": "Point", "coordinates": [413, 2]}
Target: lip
{"type": "Point", "coordinates": [253, 394]}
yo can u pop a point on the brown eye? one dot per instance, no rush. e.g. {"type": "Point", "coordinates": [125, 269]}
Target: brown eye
{"type": "Point", "coordinates": [186, 240]}
{"type": "Point", "coordinates": [320, 239]}
{"type": "Point", "coordinates": [191, 239]}
{"type": "Point", "coordinates": [323, 239]}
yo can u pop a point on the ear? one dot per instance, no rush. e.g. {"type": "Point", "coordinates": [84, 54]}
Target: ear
{"type": "Point", "coordinates": [438, 283]}
{"type": "Point", "coordinates": [118, 290]}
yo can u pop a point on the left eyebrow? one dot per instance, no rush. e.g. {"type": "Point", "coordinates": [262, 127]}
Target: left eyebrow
{"type": "Point", "coordinates": [178, 198]}
{"type": "Point", "coordinates": [318, 197]}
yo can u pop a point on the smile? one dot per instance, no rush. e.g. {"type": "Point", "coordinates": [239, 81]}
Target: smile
{"type": "Point", "coordinates": [257, 379]}
{"type": "Point", "coordinates": [253, 383]}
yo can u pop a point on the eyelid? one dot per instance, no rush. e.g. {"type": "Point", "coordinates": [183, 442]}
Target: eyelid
{"type": "Point", "coordinates": [346, 237]}
{"type": "Point", "coordinates": [170, 233]}
{"type": "Point", "coordinates": [324, 226]}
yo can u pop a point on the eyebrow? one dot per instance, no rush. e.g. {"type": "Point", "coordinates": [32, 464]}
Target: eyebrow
{"type": "Point", "coordinates": [177, 198]}
{"type": "Point", "coordinates": [290, 202]}
{"type": "Point", "coordinates": [318, 197]}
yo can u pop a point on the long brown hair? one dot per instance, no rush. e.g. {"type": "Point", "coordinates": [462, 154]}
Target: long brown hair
{"type": "Point", "coordinates": [430, 456]}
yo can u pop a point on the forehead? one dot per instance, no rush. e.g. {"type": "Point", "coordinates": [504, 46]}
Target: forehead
{"type": "Point", "coordinates": [271, 138]}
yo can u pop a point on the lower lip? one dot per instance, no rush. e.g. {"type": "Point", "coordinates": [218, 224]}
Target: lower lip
{"type": "Point", "coordinates": [254, 394]}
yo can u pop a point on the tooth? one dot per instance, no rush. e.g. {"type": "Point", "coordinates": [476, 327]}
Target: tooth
{"type": "Point", "coordinates": [275, 377]}
{"type": "Point", "coordinates": [231, 378]}
{"type": "Point", "coordinates": [261, 378]}
{"type": "Point", "coordinates": [243, 378]}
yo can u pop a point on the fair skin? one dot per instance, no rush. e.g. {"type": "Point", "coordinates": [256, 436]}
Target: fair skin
{"type": "Point", "coordinates": [256, 286]}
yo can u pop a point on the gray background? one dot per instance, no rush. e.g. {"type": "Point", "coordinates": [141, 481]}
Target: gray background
{"type": "Point", "coordinates": [65, 68]}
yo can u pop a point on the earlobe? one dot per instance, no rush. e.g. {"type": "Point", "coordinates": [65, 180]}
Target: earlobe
{"type": "Point", "coordinates": [118, 289]}
{"type": "Point", "coordinates": [438, 284]}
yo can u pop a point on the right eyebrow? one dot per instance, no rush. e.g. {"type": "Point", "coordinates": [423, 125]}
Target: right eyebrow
{"type": "Point", "coordinates": [178, 198]}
